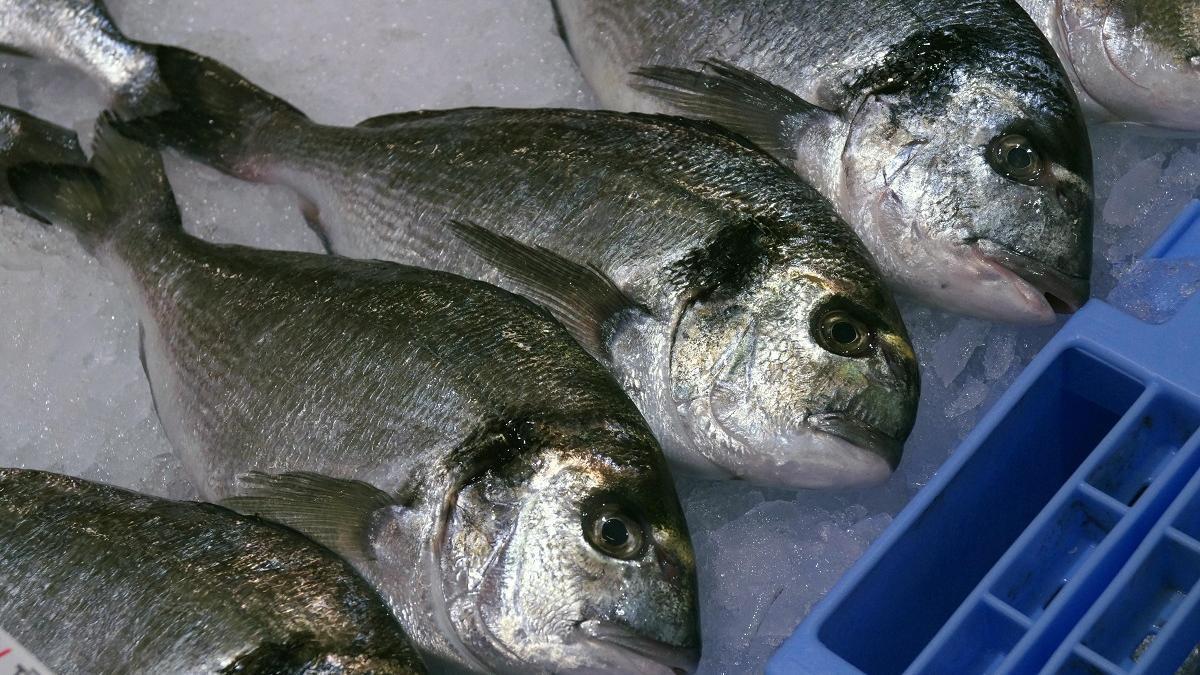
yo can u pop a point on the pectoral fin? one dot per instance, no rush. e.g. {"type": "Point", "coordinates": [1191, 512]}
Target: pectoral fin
{"type": "Point", "coordinates": [737, 99]}
{"type": "Point", "coordinates": [582, 298]}
{"type": "Point", "coordinates": [332, 511]}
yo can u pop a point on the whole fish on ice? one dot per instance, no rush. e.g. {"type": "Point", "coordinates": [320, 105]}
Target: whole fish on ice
{"type": "Point", "coordinates": [739, 312]}
{"type": "Point", "coordinates": [945, 131]}
{"type": "Point", "coordinates": [448, 438]}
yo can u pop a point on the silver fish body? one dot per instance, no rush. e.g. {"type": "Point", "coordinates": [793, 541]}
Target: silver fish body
{"type": "Point", "coordinates": [475, 465]}
{"type": "Point", "coordinates": [712, 282]}
{"type": "Point", "coordinates": [945, 132]}
{"type": "Point", "coordinates": [726, 263]}
{"type": "Point", "coordinates": [1130, 60]}
{"type": "Point", "coordinates": [98, 579]}
{"type": "Point", "coordinates": [704, 275]}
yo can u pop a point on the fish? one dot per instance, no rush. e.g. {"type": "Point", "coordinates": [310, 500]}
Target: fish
{"type": "Point", "coordinates": [446, 437]}
{"type": "Point", "coordinates": [97, 579]}
{"type": "Point", "coordinates": [25, 138]}
{"type": "Point", "coordinates": [81, 33]}
{"type": "Point", "coordinates": [744, 318]}
{"type": "Point", "coordinates": [945, 132]}
{"type": "Point", "coordinates": [1130, 60]}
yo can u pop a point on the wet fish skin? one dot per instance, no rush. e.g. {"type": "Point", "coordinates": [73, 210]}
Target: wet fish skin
{"type": "Point", "coordinates": [94, 579]}
{"type": "Point", "coordinates": [1130, 60]}
{"type": "Point", "coordinates": [894, 111]}
{"type": "Point", "coordinates": [671, 231]}
{"type": "Point", "coordinates": [82, 34]}
{"type": "Point", "coordinates": [450, 433]}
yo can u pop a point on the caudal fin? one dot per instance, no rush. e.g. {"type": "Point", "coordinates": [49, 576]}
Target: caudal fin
{"type": "Point", "coordinates": [25, 138]}
{"type": "Point", "coordinates": [125, 187]}
{"type": "Point", "coordinates": [82, 34]}
{"type": "Point", "coordinates": [217, 115]}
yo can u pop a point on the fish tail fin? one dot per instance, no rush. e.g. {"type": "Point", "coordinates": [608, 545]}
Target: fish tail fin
{"type": "Point", "coordinates": [125, 185]}
{"type": "Point", "coordinates": [25, 138]}
{"type": "Point", "coordinates": [84, 35]}
{"type": "Point", "coordinates": [217, 116]}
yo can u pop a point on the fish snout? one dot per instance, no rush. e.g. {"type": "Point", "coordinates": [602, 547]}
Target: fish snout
{"type": "Point", "coordinates": [623, 650]}
{"type": "Point", "coordinates": [830, 452]}
{"type": "Point", "coordinates": [1063, 292]}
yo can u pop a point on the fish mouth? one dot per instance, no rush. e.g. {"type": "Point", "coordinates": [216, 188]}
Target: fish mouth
{"type": "Point", "coordinates": [629, 652]}
{"type": "Point", "coordinates": [1064, 293]}
{"type": "Point", "coordinates": [829, 451]}
{"type": "Point", "coordinates": [860, 434]}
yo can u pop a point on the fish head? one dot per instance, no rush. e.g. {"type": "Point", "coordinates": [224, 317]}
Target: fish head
{"type": "Point", "coordinates": [968, 171]}
{"type": "Point", "coordinates": [573, 558]}
{"type": "Point", "coordinates": [799, 374]}
{"type": "Point", "coordinates": [1138, 60]}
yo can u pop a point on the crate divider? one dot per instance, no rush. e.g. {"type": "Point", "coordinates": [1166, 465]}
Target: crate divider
{"type": "Point", "coordinates": [1178, 638]}
{"type": "Point", "coordinates": [1102, 498]}
{"type": "Point", "coordinates": [1043, 565]}
{"type": "Point", "coordinates": [1183, 539]}
{"type": "Point", "coordinates": [1092, 663]}
{"type": "Point", "coordinates": [1008, 610]}
{"type": "Point", "coordinates": [980, 642]}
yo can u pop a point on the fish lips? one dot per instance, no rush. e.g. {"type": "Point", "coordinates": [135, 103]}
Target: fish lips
{"type": "Point", "coordinates": [860, 434]}
{"type": "Point", "coordinates": [831, 450]}
{"type": "Point", "coordinates": [630, 652]}
{"type": "Point", "coordinates": [1063, 292]}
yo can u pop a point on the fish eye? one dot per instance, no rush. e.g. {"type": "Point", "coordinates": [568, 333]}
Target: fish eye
{"type": "Point", "coordinates": [1013, 156]}
{"type": "Point", "coordinates": [843, 334]}
{"type": "Point", "coordinates": [615, 534]}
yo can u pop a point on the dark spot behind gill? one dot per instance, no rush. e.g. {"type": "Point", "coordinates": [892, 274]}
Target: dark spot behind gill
{"type": "Point", "coordinates": [726, 261]}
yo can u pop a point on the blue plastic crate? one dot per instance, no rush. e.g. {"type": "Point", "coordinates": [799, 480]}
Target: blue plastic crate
{"type": "Point", "coordinates": [1064, 533]}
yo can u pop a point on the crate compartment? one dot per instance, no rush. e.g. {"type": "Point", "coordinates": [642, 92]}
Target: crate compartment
{"type": "Point", "coordinates": [979, 644]}
{"type": "Point", "coordinates": [1084, 662]}
{"type": "Point", "coordinates": [1129, 468]}
{"type": "Point", "coordinates": [903, 601]}
{"type": "Point", "coordinates": [1146, 605]}
{"type": "Point", "coordinates": [1051, 559]}
{"type": "Point", "coordinates": [1188, 520]}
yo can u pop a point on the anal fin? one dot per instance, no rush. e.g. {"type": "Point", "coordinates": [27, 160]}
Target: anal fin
{"type": "Point", "coordinates": [582, 298]}
{"type": "Point", "coordinates": [312, 217]}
